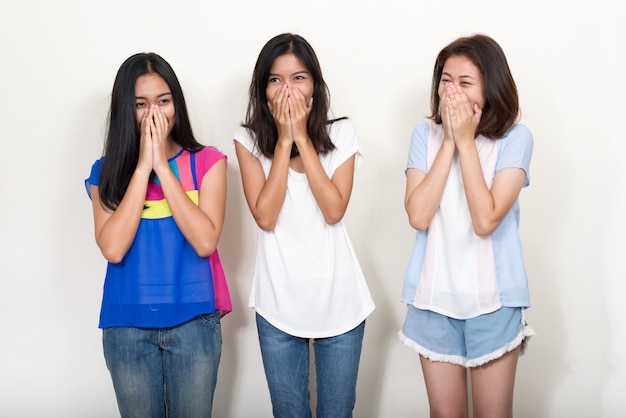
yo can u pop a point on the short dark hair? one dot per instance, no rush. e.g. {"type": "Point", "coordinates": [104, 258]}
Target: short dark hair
{"type": "Point", "coordinates": [121, 148]}
{"type": "Point", "coordinates": [259, 119]}
{"type": "Point", "coordinates": [501, 108]}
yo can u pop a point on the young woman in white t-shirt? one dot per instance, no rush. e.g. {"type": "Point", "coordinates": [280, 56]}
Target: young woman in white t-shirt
{"type": "Point", "coordinates": [297, 169]}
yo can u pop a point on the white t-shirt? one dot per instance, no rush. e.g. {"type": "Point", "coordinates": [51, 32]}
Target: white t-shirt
{"type": "Point", "coordinates": [307, 280]}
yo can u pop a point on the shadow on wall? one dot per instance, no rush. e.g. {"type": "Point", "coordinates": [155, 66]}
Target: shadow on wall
{"type": "Point", "coordinates": [238, 229]}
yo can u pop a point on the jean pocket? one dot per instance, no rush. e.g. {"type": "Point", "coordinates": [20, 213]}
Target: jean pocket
{"type": "Point", "coordinates": [212, 319]}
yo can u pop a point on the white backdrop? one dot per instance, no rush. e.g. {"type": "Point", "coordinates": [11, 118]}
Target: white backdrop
{"type": "Point", "coordinates": [58, 62]}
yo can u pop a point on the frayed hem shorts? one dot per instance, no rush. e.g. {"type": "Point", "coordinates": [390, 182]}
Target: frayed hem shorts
{"type": "Point", "coordinates": [468, 343]}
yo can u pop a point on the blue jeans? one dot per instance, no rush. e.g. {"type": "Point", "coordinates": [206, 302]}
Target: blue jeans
{"type": "Point", "coordinates": [159, 372]}
{"type": "Point", "coordinates": [286, 363]}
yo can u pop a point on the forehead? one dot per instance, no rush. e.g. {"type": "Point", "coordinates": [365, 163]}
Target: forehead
{"type": "Point", "coordinates": [287, 63]}
{"type": "Point", "coordinates": [460, 65]}
{"type": "Point", "coordinates": [150, 84]}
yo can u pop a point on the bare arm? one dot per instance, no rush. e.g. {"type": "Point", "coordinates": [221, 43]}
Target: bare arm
{"type": "Point", "coordinates": [201, 225]}
{"type": "Point", "coordinates": [115, 230]}
{"type": "Point", "coordinates": [487, 206]}
{"type": "Point", "coordinates": [331, 194]}
{"type": "Point", "coordinates": [264, 197]}
{"type": "Point", "coordinates": [424, 190]}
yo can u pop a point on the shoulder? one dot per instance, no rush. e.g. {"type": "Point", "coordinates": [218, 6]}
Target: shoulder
{"type": "Point", "coordinates": [342, 125]}
{"type": "Point", "coordinates": [245, 137]}
{"type": "Point", "coordinates": [206, 157]}
{"type": "Point", "coordinates": [210, 152]}
{"type": "Point", "coordinates": [518, 133]}
{"type": "Point", "coordinates": [423, 130]}
{"type": "Point", "coordinates": [95, 171]}
{"type": "Point", "coordinates": [517, 140]}
{"type": "Point", "coordinates": [94, 176]}
{"type": "Point", "coordinates": [424, 127]}
{"type": "Point", "coordinates": [342, 132]}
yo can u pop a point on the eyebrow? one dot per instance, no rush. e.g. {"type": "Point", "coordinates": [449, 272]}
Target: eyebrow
{"type": "Point", "coordinates": [296, 73]}
{"type": "Point", "coordinates": [462, 76]}
{"type": "Point", "coordinates": [159, 96]}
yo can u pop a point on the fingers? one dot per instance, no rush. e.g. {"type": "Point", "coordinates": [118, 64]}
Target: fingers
{"type": "Point", "coordinates": [278, 104]}
{"type": "Point", "coordinates": [290, 109]}
{"type": "Point", "coordinates": [159, 125]}
{"type": "Point", "coordinates": [445, 117]}
{"type": "Point", "coordinates": [145, 141]}
{"type": "Point", "coordinates": [299, 107]}
{"type": "Point", "coordinates": [299, 110]}
{"type": "Point", "coordinates": [460, 106]}
{"type": "Point", "coordinates": [463, 116]}
{"type": "Point", "coordinates": [159, 138]}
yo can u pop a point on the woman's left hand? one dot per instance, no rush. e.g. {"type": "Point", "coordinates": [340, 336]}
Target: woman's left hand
{"type": "Point", "coordinates": [299, 111]}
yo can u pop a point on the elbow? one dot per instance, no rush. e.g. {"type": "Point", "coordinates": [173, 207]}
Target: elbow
{"type": "Point", "coordinates": [484, 228]}
{"type": "Point", "coordinates": [266, 225]}
{"type": "Point", "coordinates": [113, 256]}
{"type": "Point", "coordinates": [333, 214]}
{"type": "Point", "coordinates": [418, 223]}
{"type": "Point", "coordinates": [206, 249]}
{"type": "Point", "coordinates": [333, 218]}
{"type": "Point", "coordinates": [113, 251]}
{"type": "Point", "coordinates": [205, 253]}
{"type": "Point", "coordinates": [206, 245]}
{"type": "Point", "coordinates": [419, 219]}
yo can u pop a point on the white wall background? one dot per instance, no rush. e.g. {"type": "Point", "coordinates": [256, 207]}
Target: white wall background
{"type": "Point", "coordinates": [57, 66]}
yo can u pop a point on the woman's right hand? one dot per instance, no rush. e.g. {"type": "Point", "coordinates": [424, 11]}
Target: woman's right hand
{"type": "Point", "coordinates": [445, 118]}
{"type": "Point", "coordinates": [146, 159]}
{"type": "Point", "coordinates": [279, 106]}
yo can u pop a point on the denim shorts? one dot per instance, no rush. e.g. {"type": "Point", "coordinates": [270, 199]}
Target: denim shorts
{"type": "Point", "coordinates": [469, 342]}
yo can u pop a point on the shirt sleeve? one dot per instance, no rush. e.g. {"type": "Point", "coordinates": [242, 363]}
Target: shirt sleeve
{"type": "Point", "coordinates": [94, 176]}
{"type": "Point", "coordinates": [243, 136]}
{"type": "Point", "coordinates": [516, 150]}
{"type": "Point", "coordinates": [206, 159]}
{"type": "Point", "coordinates": [417, 150]}
{"type": "Point", "coordinates": [346, 139]}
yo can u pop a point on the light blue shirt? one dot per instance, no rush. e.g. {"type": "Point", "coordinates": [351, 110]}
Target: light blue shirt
{"type": "Point", "coordinates": [498, 275]}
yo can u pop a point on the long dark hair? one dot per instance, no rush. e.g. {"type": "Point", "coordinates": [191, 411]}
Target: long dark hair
{"type": "Point", "coordinates": [259, 119]}
{"type": "Point", "coordinates": [501, 98]}
{"type": "Point", "coordinates": [121, 148]}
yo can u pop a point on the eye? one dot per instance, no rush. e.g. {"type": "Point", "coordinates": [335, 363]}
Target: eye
{"type": "Point", "coordinates": [140, 105]}
{"type": "Point", "coordinates": [164, 101]}
{"type": "Point", "coordinates": [273, 80]}
{"type": "Point", "coordinates": [445, 81]}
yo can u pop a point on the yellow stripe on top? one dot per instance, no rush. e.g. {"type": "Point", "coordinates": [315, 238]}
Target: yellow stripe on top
{"type": "Point", "coordinates": [156, 209]}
